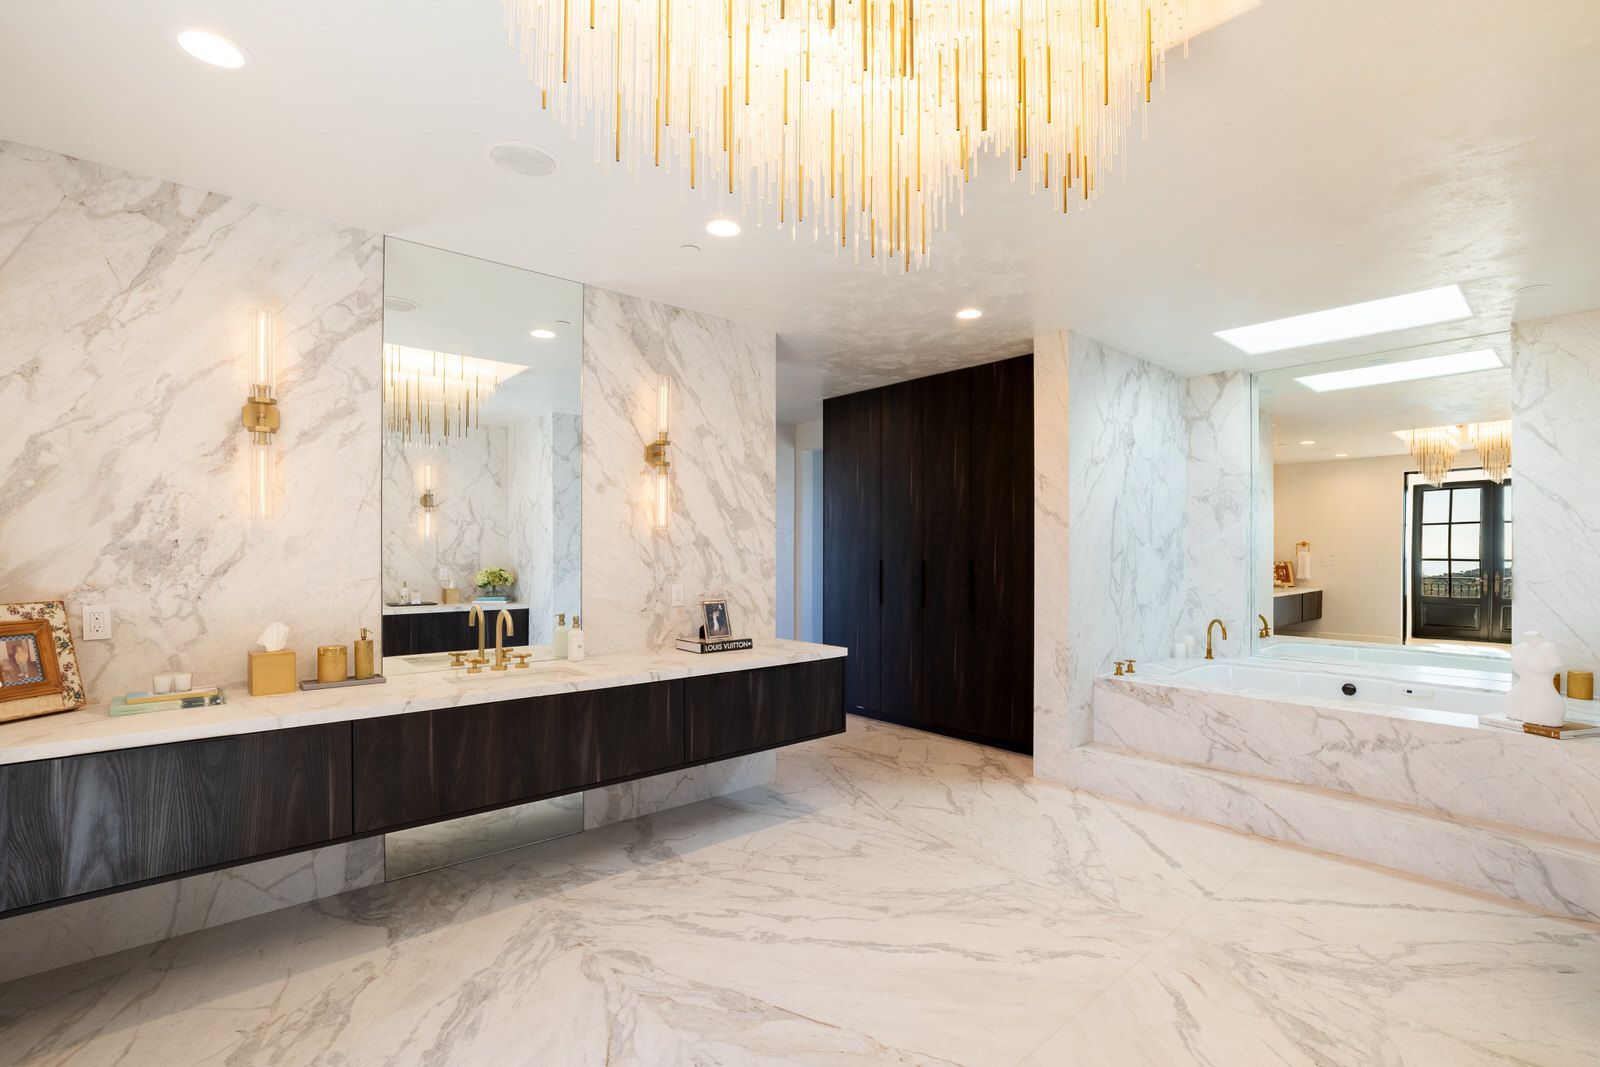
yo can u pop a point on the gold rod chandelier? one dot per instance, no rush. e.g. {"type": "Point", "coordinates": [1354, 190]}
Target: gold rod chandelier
{"type": "Point", "coordinates": [858, 121]}
{"type": "Point", "coordinates": [430, 397]}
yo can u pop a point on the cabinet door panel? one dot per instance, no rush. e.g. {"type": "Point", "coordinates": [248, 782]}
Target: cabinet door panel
{"type": "Point", "coordinates": [85, 823]}
{"type": "Point", "coordinates": [904, 565]}
{"type": "Point", "coordinates": [743, 711]}
{"type": "Point", "coordinates": [852, 541]}
{"type": "Point", "coordinates": [943, 475]}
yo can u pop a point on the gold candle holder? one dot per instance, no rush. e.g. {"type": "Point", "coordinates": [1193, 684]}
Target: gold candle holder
{"type": "Point", "coordinates": [333, 664]}
{"type": "Point", "coordinates": [1580, 685]}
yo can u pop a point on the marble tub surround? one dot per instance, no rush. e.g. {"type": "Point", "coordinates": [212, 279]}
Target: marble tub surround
{"type": "Point", "coordinates": [722, 534]}
{"type": "Point", "coordinates": [1468, 772]}
{"type": "Point", "coordinates": [1556, 499]}
{"type": "Point", "coordinates": [43, 940]}
{"type": "Point", "coordinates": [885, 900]}
{"type": "Point", "coordinates": [92, 730]}
{"type": "Point", "coordinates": [1219, 571]}
{"type": "Point", "coordinates": [125, 308]}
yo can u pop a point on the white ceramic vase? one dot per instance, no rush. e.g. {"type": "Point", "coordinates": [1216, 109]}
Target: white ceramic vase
{"type": "Point", "coordinates": [1533, 697]}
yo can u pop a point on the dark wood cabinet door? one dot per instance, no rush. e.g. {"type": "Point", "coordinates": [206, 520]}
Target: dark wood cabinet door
{"type": "Point", "coordinates": [86, 823]}
{"type": "Point", "coordinates": [905, 568]}
{"type": "Point", "coordinates": [1001, 524]}
{"type": "Point", "coordinates": [419, 632]}
{"type": "Point", "coordinates": [852, 581]}
{"type": "Point", "coordinates": [744, 711]}
{"type": "Point", "coordinates": [943, 476]}
{"type": "Point", "coordinates": [434, 764]}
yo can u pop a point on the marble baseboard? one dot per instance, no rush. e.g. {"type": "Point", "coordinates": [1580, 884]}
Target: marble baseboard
{"type": "Point", "coordinates": [70, 933]}
{"type": "Point", "coordinates": [1492, 775]}
{"type": "Point", "coordinates": [646, 796]}
{"type": "Point", "coordinates": [1552, 874]}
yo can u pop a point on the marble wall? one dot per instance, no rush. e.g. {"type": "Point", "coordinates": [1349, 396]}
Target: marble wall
{"type": "Point", "coordinates": [471, 482]}
{"type": "Point", "coordinates": [784, 579]}
{"type": "Point", "coordinates": [124, 358]}
{"type": "Point", "coordinates": [566, 514]}
{"type": "Point", "coordinates": [721, 538]}
{"type": "Point", "coordinates": [530, 514]}
{"type": "Point", "coordinates": [1556, 484]}
{"type": "Point", "coordinates": [1220, 571]}
{"type": "Point", "coordinates": [1110, 455]}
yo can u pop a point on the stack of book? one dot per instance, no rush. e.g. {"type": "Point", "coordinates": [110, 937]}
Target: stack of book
{"type": "Point", "coordinates": [142, 703]}
{"type": "Point", "coordinates": [714, 644]}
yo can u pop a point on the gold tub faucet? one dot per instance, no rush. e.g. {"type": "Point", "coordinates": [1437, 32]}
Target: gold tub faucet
{"type": "Point", "coordinates": [1265, 631]}
{"type": "Point", "coordinates": [1209, 625]}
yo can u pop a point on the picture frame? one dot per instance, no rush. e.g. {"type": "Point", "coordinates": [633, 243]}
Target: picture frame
{"type": "Point", "coordinates": [716, 620]}
{"type": "Point", "coordinates": [1283, 573]}
{"type": "Point", "coordinates": [38, 666]}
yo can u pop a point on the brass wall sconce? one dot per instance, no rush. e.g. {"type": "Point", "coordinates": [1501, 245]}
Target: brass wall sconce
{"type": "Point", "coordinates": [260, 416]}
{"type": "Point", "coordinates": [655, 454]}
{"type": "Point", "coordinates": [428, 503]}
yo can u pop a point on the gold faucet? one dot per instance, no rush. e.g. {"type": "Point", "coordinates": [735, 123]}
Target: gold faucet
{"type": "Point", "coordinates": [1209, 625]}
{"type": "Point", "coordinates": [475, 618]}
{"type": "Point", "coordinates": [503, 626]}
{"type": "Point", "coordinates": [1265, 631]}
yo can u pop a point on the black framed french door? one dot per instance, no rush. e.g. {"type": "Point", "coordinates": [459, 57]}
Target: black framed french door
{"type": "Point", "coordinates": [1461, 550]}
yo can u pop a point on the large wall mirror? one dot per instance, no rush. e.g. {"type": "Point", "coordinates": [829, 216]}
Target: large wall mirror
{"type": "Point", "coordinates": [1386, 499]}
{"type": "Point", "coordinates": [482, 370]}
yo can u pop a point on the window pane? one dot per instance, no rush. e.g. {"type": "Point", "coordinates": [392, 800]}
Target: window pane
{"type": "Point", "coordinates": [1435, 505]}
{"type": "Point", "coordinates": [1507, 552]}
{"type": "Point", "coordinates": [1466, 580]}
{"type": "Point", "coordinates": [1464, 543]}
{"type": "Point", "coordinates": [1505, 583]}
{"type": "Point", "coordinates": [1505, 498]}
{"type": "Point", "coordinates": [1435, 577]}
{"type": "Point", "coordinates": [1436, 542]}
{"type": "Point", "coordinates": [1467, 505]}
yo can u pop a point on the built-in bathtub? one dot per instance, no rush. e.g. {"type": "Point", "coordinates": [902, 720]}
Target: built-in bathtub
{"type": "Point", "coordinates": [1443, 696]}
{"type": "Point", "coordinates": [1473, 660]}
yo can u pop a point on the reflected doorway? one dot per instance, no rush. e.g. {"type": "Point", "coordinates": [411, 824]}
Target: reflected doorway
{"type": "Point", "coordinates": [1461, 549]}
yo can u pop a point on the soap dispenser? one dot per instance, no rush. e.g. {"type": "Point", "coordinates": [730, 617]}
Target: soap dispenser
{"type": "Point", "coordinates": [575, 640]}
{"type": "Point", "coordinates": [558, 644]}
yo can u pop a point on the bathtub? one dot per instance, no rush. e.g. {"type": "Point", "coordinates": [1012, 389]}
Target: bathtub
{"type": "Point", "coordinates": [1419, 696]}
{"type": "Point", "coordinates": [1472, 661]}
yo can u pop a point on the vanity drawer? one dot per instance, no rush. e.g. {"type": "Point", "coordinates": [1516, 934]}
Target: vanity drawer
{"type": "Point", "coordinates": [745, 711]}
{"type": "Point", "coordinates": [86, 823]}
{"type": "Point", "coordinates": [435, 764]}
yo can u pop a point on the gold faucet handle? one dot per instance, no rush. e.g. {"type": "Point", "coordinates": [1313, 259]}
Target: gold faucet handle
{"type": "Point", "coordinates": [522, 660]}
{"type": "Point", "coordinates": [1130, 666]}
{"type": "Point", "coordinates": [1119, 664]}
{"type": "Point", "coordinates": [458, 659]}
{"type": "Point", "coordinates": [477, 665]}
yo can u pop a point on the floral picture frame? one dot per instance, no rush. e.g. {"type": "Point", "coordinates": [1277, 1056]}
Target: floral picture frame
{"type": "Point", "coordinates": [38, 666]}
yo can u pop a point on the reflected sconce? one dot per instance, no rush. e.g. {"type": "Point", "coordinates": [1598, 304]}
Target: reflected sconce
{"type": "Point", "coordinates": [655, 454]}
{"type": "Point", "coordinates": [259, 416]}
{"type": "Point", "coordinates": [428, 503]}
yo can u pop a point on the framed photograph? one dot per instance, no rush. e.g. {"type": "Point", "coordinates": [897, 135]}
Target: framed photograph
{"type": "Point", "coordinates": [717, 623]}
{"type": "Point", "coordinates": [1283, 573]}
{"type": "Point", "coordinates": [38, 668]}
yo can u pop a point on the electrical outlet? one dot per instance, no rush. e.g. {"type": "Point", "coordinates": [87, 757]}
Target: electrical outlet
{"type": "Point", "coordinates": [677, 596]}
{"type": "Point", "coordinates": [96, 622]}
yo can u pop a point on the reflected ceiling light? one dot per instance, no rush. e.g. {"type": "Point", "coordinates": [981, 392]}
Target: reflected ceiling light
{"type": "Point", "coordinates": [1409, 371]}
{"type": "Point", "coordinates": [1427, 308]}
{"type": "Point", "coordinates": [1341, 455]}
{"type": "Point", "coordinates": [543, 335]}
{"type": "Point", "coordinates": [1492, 442]}
{"type": "Point", "coordinates": [859, 120]}
{"type": "Point", "coordinates": [723, 228]}
{"type": "Point", "coordinates": [212, 48]}
{"type": "Point", "coordinates": [1308, 442]}
{"type": "Point", "coordinates": [1435, 449]}
{"type": "Point", "coordinates": [430, 397]}
{"type": "Point", "coordinates": [969, 313]}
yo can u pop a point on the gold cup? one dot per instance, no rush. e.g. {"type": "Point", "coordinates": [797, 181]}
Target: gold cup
{"type": "Point", "coordinates": [333, 663]}
{"type": "Point", "coordinates": [1580, 685]}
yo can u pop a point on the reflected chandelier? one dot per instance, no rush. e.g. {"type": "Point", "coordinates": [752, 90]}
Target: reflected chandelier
{"type": "Point", "coordinates": [1492, 441]}
{"type": "Point", "coordinates": [430, 397]}
{"type": "Point", "coordinates": [858, 120]}
{"type": "Point", "coordinates": [1435, 449]}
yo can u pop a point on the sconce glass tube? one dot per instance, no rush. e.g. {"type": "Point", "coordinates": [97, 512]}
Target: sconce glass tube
{"type": "Point", "coordinates": [260, 414]}
{"type": "Point", "coordinates": [656, 455]}
{"type": "Point", "coordinates": [429, 505]}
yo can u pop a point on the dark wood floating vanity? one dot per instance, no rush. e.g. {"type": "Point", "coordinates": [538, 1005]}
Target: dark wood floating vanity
{"type": "Point", "coordinates": [103, 820]}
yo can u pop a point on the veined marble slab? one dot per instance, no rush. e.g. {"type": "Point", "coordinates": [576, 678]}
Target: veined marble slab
{"type": "Point", "coordinates": [93, 730]}
{"type": "Point", "coordinates": [1471, 772]}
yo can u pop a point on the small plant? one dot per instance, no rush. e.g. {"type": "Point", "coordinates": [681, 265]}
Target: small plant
{"type": "Point", "coordinates": [494, 579]}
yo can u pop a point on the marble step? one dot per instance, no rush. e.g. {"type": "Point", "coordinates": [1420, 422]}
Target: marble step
{"type": "Point", "coordinates": [1555, 874]}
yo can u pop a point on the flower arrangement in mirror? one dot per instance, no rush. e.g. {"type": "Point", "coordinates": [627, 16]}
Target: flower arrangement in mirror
{"type": "Point", "coordinates": [38, 667]}
{"type": "Point", "coordinates": [494, 581]}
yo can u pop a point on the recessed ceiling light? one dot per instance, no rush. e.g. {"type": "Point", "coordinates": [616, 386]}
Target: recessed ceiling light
{"type": "Point", "coordinates": [723, 228]}
{"type": "Point", "coordinates": [1341, 455]}
{"type": "Point", "coordinates": [1308, 442]}
{"type": "Point", "coordinates": [969, 313]}
{"type": "Point", "coordinates": [1427, 308]}
{"type": "Point", "coordinates": [212, 48]}
{"type": "Point", "coordinates": [688, 248]}
{"type": "Point", "coordinates": [1409, 371]}
{"type": "Point", "coordinates": [399, 303]}
{"type": "Point", "coordinates": [543, 335]}
{"type": "Point", "coordinates": [563, 322]}
{"type": "Point", "coordinates": [523, 159]}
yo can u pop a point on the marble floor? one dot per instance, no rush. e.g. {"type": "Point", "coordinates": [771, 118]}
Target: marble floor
{"type": "Point", "coordinates": [892, 898]}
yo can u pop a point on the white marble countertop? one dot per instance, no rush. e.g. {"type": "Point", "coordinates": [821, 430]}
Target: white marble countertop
{"type": "Point", "coordinates": [429, 609]}
{"type": "Point", "coordinates": [91, 729]}
{"type": "Point", "coordinates": [1296, 590]}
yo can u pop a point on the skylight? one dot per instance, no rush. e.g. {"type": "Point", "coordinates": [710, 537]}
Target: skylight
{"type": "Point", "coordinates": [1409, 371]}
{"type": "Point", "coordinates": [1427, 308]}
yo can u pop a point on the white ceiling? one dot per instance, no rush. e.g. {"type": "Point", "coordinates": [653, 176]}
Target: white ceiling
{"type": "Point", "coordinates": [1305, 155]}
{"type": "Point", "coordinates": [1361, 423]}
